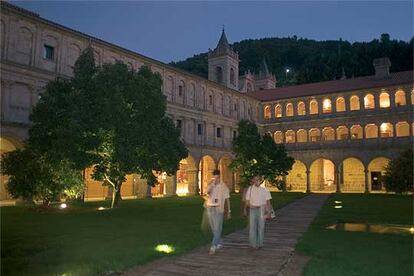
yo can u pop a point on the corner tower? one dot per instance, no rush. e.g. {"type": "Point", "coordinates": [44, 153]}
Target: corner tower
{"type": "Point", "coordinates": [223, 64]}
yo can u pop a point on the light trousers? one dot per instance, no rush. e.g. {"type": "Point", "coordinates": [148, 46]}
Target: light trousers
{"type": "Point", "coordinates": [256, 227]}
{"type": "Point", "coordinates": [215, 218]}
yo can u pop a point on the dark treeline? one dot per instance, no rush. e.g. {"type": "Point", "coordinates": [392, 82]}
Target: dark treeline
{"type": "Point", "coordinates": [311, 60]}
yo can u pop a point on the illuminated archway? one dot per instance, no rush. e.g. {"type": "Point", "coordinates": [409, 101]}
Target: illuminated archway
{"type": "Point", "coordinates": [354, 102]}
{"type": "Point", "coordinates": [289, 109]}
{"type": "Point", "coordinates": [384, 100]}
{"type": "Point", "coordinates": [328, 134]}
{"type": "Point", "coordinates": [290, 136]}
{"type": "Point", "coordinates": [376, 169]}
{"type": "Point", "coordinates": [353, 175]}
{"type": "Point", "coordinates": [296, 179]}
{"type": "Point", "coordinates": [314, 135]}
{"type": "Point", "coordinates": [371, 131]}
{"type": "Point", "coordinates": [369, 102]}
{"type": "Point", "coordinates": [226, 175]}
{"type": "Point", "coordinates": [278, 111]}
{"type": "Point", "coordinates": [402, 129]}
{"type": "Point", "coordinates": [302, 136]}
{"type": "Point", "coordinates": [301, 109]}
{"type": "Point", "coordinates": [278, 137]}
{"type": "Point", "coordinates": [386, 130]}
{"type": "Point", "coordinates": [267, 112]}
{"type": "Point", "coordinates": [313, 107]}
{"type": "Point", "coordinates": [186, 177]}
{"type": "Point", "coordinates": [342, 133]}
{"type": "Point", "coordinates": [322, 176]}
{"type": "Point", "coordinates": [400, 98]}
{"type": "Point", "coordinates": [205, 172]}
{"type": "Point", "coordinates": [356, 132]}
{"type": "Point", "coordinates": [7, 144]}
{"type": "Point", "coordinates": [326, 106]}
{"type": "Point", "coordinates": [340, 104]}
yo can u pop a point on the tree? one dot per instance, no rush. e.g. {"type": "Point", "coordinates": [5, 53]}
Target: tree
{"type": "Point", "coordinates": [258, 155]}
{"type": "Point", "coordinates": [35, 176]}
{"type": "Point", "coordinates": [399, 172]}
{"type": "Point", "coordinates": [111, 118]}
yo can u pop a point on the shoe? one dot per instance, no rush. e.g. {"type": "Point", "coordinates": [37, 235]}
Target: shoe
{"type": "Point", "coordinates": [212, 250]}
{"type": "Point", "coordinates": [219, 246]}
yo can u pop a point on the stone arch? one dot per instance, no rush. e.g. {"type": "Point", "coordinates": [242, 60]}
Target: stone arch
{"type": "Point", "coordinates": [340, 104]}
{"type": "Point", "coordinates": [205, 172]}
{"type": "Point", "coordinates": [267, 113]}
{"type": "Point", "coordinates": [302, 136]}
{"type": "Point", "coordinates": [376, 169]}
{"type": "Point", "coordinates": [278, 111]}
{"type": "Point", "coordinates": [169, 88]}
{"type": "Point", "coordinates": [369, 101]}
{"type": "Point", "coordinates": [186, 177]}
{"type": "Point", "coordinates": [402, 129]}
{"type": "Point", "coordinates": [352, 175]}
{"type": "Point", "coordinates": [371, 131]}
{"type": "Point", "coordinates": [313, 107]}
{"type": "Point", "coordinates": [354, 103]}
{"type": "Point", "coordinates": [356, 132]}
{"type": "Point", "coordinates": [400, 98]}
{"type": "Point", "coordinates": [386, 130]}
{"type": "Point", "coordinates": [201, 98]}
{"type": "Point", "coordinates": [24, 45]}
{"type": "Point", "coordinates": [342, 133]}
{"type": "Point", "coordinates": [301, 108]}
{"type": "Point", "coordinates": [226, 175]}
{"type": "Point", "coordinates": [328, 134]}
{"type": "Point", "coordinates": [278, 137]}
{"type": "Point", "coordinates": [296, 179]}
{"type": "Point", "coordinates": [322, 175]}
{"type": "Point", "coordinates": [290, 136]}
{"type": "Point", "coordinates": [74, 53]}
{"type": "Point", "coordinates": [314, 135]}
{"type": "Point", "coordinates": [191, 95]}
{"type": "Point", "coordinates": [384, 100]}
{"type": "Point", "coordinates": [218, 103]}
{"type": "Point", "coordinates": [179, 98]}
{"type": "Point", "coordinates": [20, 102]}
{"type": "Point", "coordinates": [326, 106]}
{"type": "Point", "coordinates": [289, 109]}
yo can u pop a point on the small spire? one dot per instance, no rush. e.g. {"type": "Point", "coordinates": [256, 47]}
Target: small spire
{"type": "Point", "coordinates": [223, 42]}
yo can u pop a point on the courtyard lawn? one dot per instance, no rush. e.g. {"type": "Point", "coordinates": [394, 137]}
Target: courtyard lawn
{"type": "Point", "coordinates": [81, 240]}
{"type": "Point", "coordinates": [355, 253]}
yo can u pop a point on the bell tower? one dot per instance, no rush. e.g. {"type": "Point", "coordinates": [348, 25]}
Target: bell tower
{"type": "Point", "coordinates": [223, 64]}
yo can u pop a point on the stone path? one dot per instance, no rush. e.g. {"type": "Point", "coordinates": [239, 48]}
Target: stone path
{"type": "Point", "coordinates": [236, 258]}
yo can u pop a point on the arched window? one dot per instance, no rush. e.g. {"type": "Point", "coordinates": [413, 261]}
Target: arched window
{"type": "Point", "coordinates": [371, 131]}
{"type": "Point", "coordinates": [400, 98]}
{"type": "Point", "coordinates": [412, 97]}
{"type": "Point", "coordinates": [384, 100]}
{"type": "Point", "coordinates": [249, 87]}
{"type": "Point", "coordinates": [290, 136]}
{"type": "Point", "coordinates": [340, 104]}
{"type": "Point", "coordinates": [402, 129]}
{"type": "Point", "coordinates": [267, 112]}
{"type": "Point", "coordinates": [219, 74]}
{"type": "Point", "coordinates": [232, 78]}
{"type": "Point", "coordinates": [314, 135]}
{"type": "Point", "coordinates": [301, 109]}
{"type": "Point", "coordinates": [356, 132]}
{"type": "Point", "coordinates": [386, 130]}
{"type": "Point", "coordinates": [354, 101]}
{"type": "Point", "coordinates": [328, 134]}
{"type": "Point", "coordinates": [289, 109]}
{"type": "Point", "coordinates": [278, 136]}
{"type": "Point", "coordinates": [326, 106]}
{"type": "Point", "coordinates": [302, 136]}
{"type": "Point", "coordinates": [342, 133]}
{"type": "Point", "coordinates": [369, 102]}
{"type": "Point", "coordinates": [278, 111]}
{"type": "Point", "coordinates": [313, 107]}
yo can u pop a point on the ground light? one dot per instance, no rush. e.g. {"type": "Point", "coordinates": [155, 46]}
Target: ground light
{"type": "Point", "coordinates": [63, 206]}
{"type": "Point", "coordinates": [338, 202]}
{"type": "Point", "coordinates": [338, 206]}
{"type": "Point", "coordinates": [101, 208]}
{"type": "Point", "coordinates": [165, 248]}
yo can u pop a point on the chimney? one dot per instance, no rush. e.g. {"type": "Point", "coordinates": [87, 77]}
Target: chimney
{"type": "Point", "coordinates": [382, 67]}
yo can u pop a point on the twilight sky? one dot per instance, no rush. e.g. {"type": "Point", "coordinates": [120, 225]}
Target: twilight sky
{"type": "Point", "coordinates": [171, 31]}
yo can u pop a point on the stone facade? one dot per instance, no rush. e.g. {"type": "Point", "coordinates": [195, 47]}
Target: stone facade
{"type": "Point", "coordinates": [35, 51]}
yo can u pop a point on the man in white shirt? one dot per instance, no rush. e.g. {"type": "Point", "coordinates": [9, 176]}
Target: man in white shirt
{"type": "Point", "coordinates": [258, 200]}
{"type": "Point", "coordinates": [218, 195]}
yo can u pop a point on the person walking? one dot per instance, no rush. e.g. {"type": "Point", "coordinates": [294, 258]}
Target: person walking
{"type": "Point", "coordinates": [218, 206]}
{"type": "Point", "coordinates": [258, 201]}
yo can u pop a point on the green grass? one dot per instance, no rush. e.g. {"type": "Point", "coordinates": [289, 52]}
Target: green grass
{"type": "Point", "coordinates": [355, 253]}
{"type": "Point", "coordinates": [83, 241]}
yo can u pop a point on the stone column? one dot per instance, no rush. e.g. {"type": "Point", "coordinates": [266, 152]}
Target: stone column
{"type": "Point", "coordinates": [367, 190]}
{"type": "Point", "coordinates": [308, 182]}
{"type": "Point", "coordinates": [338, 179]}
{"type": "Point", "coordinates": [392, 99]}
{"type": "Point", "coordinates": [196, 188]}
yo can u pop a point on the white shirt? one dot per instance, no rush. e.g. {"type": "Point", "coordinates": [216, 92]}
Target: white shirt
{"type": "Point", "coordinates": [218, 193]}
{"type": "Point", "coordinates": [257, 196]}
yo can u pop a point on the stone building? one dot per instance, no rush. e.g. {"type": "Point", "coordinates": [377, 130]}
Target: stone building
{"type": "Point", "coordinates": [341, 133]}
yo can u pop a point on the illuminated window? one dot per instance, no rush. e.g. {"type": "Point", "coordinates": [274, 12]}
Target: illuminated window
{"type": "Point", "coordinates": [412, 97]}
{"type": "Point", "coordinates": [289, 109]}
{"type": "Point", "coordinates": [356, 132]}
{"type": "Point", "coordinates": [400, 98]}
{"type": "Point", "coordinates": [342, 133]}
{"type": "Point", "coordinates": [290, 136]}
{"type": "Point", "coordinates": [371, 131]}
{"type": "Point", "coordinates": [313, 107]}
{"type": "Point", "coordinates": [328, 134]}
{"type": "Point", "coordinates": [402, 129]}
{"type": "Point", "coordinates": [354, 101]}
{"type": "Point", "coordinates": [267, 112]}
{"type": "Point", "coordinates": [384, 100]}
{"type": "Point", "coordinates": [314, 135]}
{"type": "Point", "coordinates": [326, 106]}
{"type": "Point", "coordinates": [278, 136]}
{"type": "Point", "coordinates": [369, 102]}
{"type": "Point", "coordinates": [386, 130]}
{"type": "Point", "coordinates": [278, 111]}
{"type": "Point", "coordinates": [301, 109]}
{"type": "Point", "coordinates": [302, 136]}
{"type": "Point", "coordinates": [340, 104]}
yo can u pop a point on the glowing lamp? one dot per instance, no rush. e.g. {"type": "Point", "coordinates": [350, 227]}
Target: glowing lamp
{"type": "Point", "coordinates": [338, 207]}
{"type": "Point", "coordinates": [101, 208]}
{"type": "Point", "coordinates": [412, 230]}
{"type": "Point", "coordinates": [338, 202]}
{"type": "Point", "coordinates": [165, 248]}
{"type": "Point", "coordinates": [63, 206]}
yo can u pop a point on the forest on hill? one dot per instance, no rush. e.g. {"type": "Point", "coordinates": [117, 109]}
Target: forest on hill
{"type": "Point", "coordinates": [310, 60]}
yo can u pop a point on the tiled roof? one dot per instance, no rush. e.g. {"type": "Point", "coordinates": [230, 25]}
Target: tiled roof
{"type": "Point", "coordinates": [310, 89]}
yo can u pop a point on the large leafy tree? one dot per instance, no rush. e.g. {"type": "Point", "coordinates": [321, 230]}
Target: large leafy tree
{"type": "Point", "coordinates": [258, 155]}
{"type": "Point", "coordinates": [111, 118]}
{"type": "Point", "coordinates": [399, 172]}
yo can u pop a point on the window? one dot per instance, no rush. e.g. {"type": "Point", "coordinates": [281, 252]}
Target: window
{"type": "Point", "coordinates": [356, 132]}
{"type": "Point", "coordinates": [48, 52]}
{"type": "Point", "coordinates": [278, 137]}
{"type": "Point", "coordinates": [289, 109]}
{"type": "Point", "coordinates": [290, 136]}
{"type": "Point", "coordinates": [219, 132]}
{"type": "Point", "coordinates": [219, 74]}
{"type": "Point", "coordinates": [313, 107]}
{"type": "Point", "coordinates": [369, 102]}
{"type": "Point", "coordinates": [210, 99]}
{"type": "Point", "coordinates": [355, 103]}
{"type": "Point", "coordinates": [400, 98]}
{"type": "Point", "coordinates": [302, 136]}
{"type": "Point", "coordinates": [179, 124]}
{"type": "Point", "coordinates": [342, 133]}
{"type": "Point", "coordinates": [199, 129]}
{"type": "Point", "coordinates": [371, 131]}
{"type": "Point", "coordinates": [384, 100]}
{"type": "Point", "coordinates": [386, 130]}
{"type": "Point", "coordinates": [278, 111]}
{"type": "Point", "coordinates": [235, 107]}
{"type": "Point", "coordinates": [234, 134]}
{"type": "Point", "coordinates": [267, 112]}
{"type": "Point", "coordinates": [180, 91]}
{"type": "Point", "coordinates": [326, 106]}
{"type": "Point", "coordinates": [402, 129]}
{"type": "Point", "coordinates": [314, 135]}
{"type": "Point", "coordinates": [301, 109]}
{"type": "Point", "coordinates": [340, 104]}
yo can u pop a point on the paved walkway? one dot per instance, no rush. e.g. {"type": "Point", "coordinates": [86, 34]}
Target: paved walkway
{"type": "Point", "coordinates": [236, 258]}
